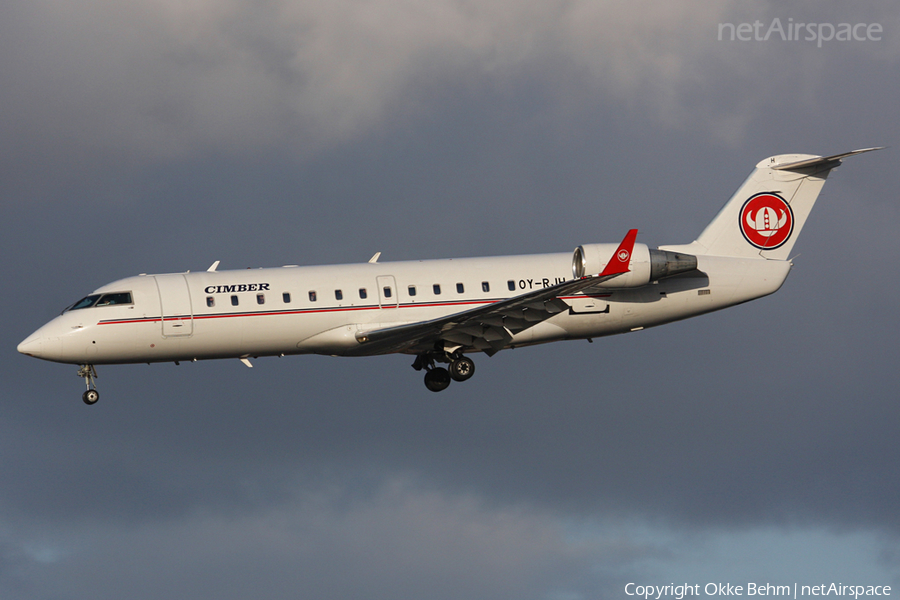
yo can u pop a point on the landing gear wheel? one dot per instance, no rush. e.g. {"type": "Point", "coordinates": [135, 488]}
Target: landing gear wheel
{"type": "Point", "coordinates": [89, 373]}
{"type": "Point", "coordinates": [462, 368]}
{"type": "Point", "coordinates": [437, 379]}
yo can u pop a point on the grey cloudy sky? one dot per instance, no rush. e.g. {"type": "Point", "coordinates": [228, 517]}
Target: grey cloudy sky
{"type": "Point", "coordinates": [756, 444]}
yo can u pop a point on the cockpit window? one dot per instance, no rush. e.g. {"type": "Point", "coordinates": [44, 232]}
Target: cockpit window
{"type": "Point", "coordinates": [117, 298]}
{"type": "Point", "coordinates": [85, 302]}
{"type": "Point", "coordinates": [103, 300]}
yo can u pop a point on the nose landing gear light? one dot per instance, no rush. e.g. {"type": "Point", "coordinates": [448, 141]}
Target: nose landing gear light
{"type": "Point", "coordinates": [89, 373]}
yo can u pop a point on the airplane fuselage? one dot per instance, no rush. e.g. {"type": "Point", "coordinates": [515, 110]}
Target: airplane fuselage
{"type": "Point", "coordinates": [323, 309]}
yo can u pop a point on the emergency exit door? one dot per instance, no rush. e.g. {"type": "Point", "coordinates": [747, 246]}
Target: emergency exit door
{"type": "Point", "coordinates": [387, 291]}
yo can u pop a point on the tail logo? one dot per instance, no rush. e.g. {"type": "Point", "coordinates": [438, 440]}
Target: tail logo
{"type": "Point", "coordinates": [623, 255]}
{"type": "Point", "coordinates": [766, 221]}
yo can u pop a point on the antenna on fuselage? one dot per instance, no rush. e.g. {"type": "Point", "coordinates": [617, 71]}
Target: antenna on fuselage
{"type": "Point", "coordinates": [375, 258]}
{"type": "Point", "coordinates": [212, 268]}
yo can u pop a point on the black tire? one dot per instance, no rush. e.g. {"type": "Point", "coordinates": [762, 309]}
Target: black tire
{"type": "Point", "coordinates": [90, 397]}
{"type": "Point", "coordinates": [462, 368]}
{"type": "Point", "coordinates": [437, 380]}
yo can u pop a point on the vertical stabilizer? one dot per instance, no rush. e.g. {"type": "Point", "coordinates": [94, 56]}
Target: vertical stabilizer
{"type": "Point", "coordinates": [764, 217]}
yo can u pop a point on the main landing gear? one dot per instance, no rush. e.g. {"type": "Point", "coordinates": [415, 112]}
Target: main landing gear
{"type": "Point", "coordinates": [437, 379]}
{"type": "Point", "coordinates": [89, 373]}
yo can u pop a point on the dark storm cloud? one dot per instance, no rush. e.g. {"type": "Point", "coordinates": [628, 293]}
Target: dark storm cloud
{"type": "Point", "coordinates": [94, 85]}
{"type": "Point", "coordinates": [160, 137]}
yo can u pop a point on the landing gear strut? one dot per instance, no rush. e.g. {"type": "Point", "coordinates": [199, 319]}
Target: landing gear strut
{"type": "Point", "coordinates": [89, 373]}
{"type": "Point", "coordinates": [438, 379]}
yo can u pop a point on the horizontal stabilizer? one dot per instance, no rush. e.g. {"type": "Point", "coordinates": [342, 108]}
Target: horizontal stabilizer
{"type": "Point", "coordinates": [827, 162]}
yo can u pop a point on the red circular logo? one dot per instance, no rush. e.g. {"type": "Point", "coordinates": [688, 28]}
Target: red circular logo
{"type": "Point", "coordinates": [766, 220]}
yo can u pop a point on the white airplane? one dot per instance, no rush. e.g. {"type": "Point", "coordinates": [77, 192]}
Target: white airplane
{"type": "Point", "coordinates": [442, 310]}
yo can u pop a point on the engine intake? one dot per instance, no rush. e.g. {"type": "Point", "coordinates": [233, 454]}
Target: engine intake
{"type": "Point", "coordinates": [646, 264]}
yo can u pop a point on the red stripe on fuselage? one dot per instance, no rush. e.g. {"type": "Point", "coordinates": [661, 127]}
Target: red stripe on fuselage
{"type": "Point", "coordinates": [303, 311]}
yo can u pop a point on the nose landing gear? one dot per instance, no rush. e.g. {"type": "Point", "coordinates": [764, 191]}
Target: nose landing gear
{"type": "Point", "coordinates": [438, 379]}
{"type": "Point", "coordinates": [89, 373]}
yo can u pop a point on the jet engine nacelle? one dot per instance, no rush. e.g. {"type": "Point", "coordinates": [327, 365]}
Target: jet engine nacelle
{"type": "Point", "coordinates": [646, 265]}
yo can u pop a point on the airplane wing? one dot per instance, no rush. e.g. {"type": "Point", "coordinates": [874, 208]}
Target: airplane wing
{"type": "Point", "coordinates": [491, 327]}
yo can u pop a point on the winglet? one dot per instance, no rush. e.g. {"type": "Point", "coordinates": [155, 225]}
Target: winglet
{"type": "Point", "coordinates": [618, 264]}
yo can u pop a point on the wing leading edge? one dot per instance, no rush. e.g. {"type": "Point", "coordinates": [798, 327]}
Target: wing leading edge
{"type": "Point", "coordinates": [491, 327]}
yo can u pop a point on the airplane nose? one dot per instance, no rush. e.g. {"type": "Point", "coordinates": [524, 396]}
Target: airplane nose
{"type": "Point", "coordinates": [31, 346]}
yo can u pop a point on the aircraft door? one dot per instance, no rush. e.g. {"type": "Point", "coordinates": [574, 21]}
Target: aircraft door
{"type": "Point", "coordinates": [387, 291]}
{"type": "Point", "coordinates": [175, 303]}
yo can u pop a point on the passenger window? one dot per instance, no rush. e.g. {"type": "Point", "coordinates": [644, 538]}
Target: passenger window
{"type": "Point", "coordinates": [363, 293]}
{"type": "Point", "coordinates": [412, 290]}
{"type": "Point", "coordinates": [437, 289]}
{"type": "Point", "coordinates": [459, 288]}
{"type": "Point", "coordinates": [338, 295]}
{"type": "Point", "coordinates": [210, 301]}
{"type": "Point", "coordinates": [485, 286]}
{"type": "Point", "coordinates": [512, 285]}
{"type": "Point", "coordinates": [234, 300]}
{"type": "Point", "coordinates": [387, 292]}
{"type": "Point", "coordinates": [312, 296]}
{"type": "Point", "coordinates": [286, 296]}
{"type": "Point", "coordinates": [260, 298]}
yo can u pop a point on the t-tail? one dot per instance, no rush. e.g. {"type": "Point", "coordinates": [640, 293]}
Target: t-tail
{"type": "Point", "coordinates": [764, 217]}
